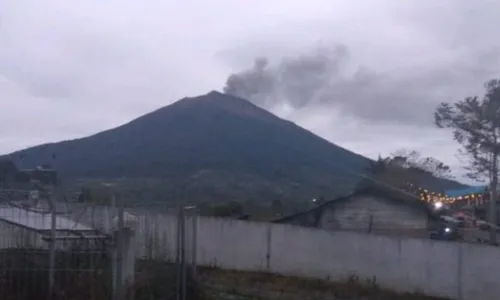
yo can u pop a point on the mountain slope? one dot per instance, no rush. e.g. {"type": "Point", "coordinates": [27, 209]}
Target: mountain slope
{"type": "Point", "coordinates": [213, 144]}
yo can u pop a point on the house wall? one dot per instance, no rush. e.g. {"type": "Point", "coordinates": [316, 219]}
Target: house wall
{"type": "Point", "coordinates": [375, 214]}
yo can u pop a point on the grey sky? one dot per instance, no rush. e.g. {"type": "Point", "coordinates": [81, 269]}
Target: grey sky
{"type": "Point", "coordinates": [68, 69]}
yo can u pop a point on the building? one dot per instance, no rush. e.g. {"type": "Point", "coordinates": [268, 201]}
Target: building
{"type": "Point", "coordinates": [372, 209]}
{"type": "Point", "coordinates": [21, 228]}
{"type": "Point", "coordinates": [474, 196]}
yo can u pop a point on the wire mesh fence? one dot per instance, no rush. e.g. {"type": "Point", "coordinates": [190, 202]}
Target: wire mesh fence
{"type": "Point", "coordinates": [45, 255]}
{"type": "Point", "coordinates": [53, 249]}
{"type": "Point", "coordinates": [78, 273]}
{"type": "Point", "coordinates": [166, 254]}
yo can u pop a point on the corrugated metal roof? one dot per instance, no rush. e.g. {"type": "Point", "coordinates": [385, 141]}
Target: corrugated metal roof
{"type": "Point", "coordinates": [38, 221]}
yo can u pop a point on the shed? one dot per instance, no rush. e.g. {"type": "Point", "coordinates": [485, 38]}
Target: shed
{"type": "Point", "coordinates": [25, 228]}
{"type": "Point", "coordinates": [372, 209]}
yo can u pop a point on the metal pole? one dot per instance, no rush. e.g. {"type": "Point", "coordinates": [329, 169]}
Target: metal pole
{"type": "Point", "coordinates": [194, 249]}
{"type": "Point", "coordinates": [119, 256]}
{"type": "Point", "coordinates": [52, 248]}
{"type": "Point", "coordinates": [178, 257]}
{"type": "Point", "coordinates": [52, 244]}
{"type": "Point", "coordinates": [183, 254]}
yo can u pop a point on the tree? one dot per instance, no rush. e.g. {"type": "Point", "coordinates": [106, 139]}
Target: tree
{"type": "Point", "coordinates": [8, 170]}
{"type": "Point", "coordinates": [407, 170]}
{"type": "Point", "coordinates": [475, 123]}
{"type": "Point", "coordinates": [413, 160]}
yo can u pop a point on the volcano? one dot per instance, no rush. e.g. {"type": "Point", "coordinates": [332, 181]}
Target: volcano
{"type": "Point", "coordinates": [213, 146]}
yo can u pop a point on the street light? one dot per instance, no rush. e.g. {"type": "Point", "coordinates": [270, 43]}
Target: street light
{"type": "Point", "coordinates": [438, 205]}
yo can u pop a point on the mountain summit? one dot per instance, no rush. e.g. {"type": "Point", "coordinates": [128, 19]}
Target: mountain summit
{"type": "Point", "coordinates": [214, 143]}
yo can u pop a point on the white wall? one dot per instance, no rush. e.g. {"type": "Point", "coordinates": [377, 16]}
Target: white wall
{"type": "Point", "coordinates": [454, 270]}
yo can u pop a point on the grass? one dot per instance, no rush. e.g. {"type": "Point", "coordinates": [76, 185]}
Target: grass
{"type": "Point", "coordinates": [24, 276]}
{"type": "Point", "coordinates": [159, 280]}
{"type": "Point", "coordinates": [258, 285]}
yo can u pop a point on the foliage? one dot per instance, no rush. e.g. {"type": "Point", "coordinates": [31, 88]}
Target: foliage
{"type": "Point", "coordinates": [230, 209]}
{"type": "Point", "coordinates": [8, 170]}
{"type": "Point", "coordinates": [475, 123]}
{"type": "Point", "coordinates": [415, 162]}
{"type": "Point", "coordinates": [224, 284]}
{"type": "Point", "coordinates": [408, 170]}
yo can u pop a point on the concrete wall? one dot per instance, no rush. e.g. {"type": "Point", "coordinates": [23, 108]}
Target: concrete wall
{"type": "Point", "coordinates": [454, 270]}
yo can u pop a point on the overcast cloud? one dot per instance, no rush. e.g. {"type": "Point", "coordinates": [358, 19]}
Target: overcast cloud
{"type": "Point", "coordinates": [365, 75]}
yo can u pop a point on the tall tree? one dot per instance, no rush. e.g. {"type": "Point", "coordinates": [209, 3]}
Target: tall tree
{"type": "Point", "coordinates": [475, 123]}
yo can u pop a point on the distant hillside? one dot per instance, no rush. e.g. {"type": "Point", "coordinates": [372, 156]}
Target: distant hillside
{"type": "Point", "coordinates": [213, 146]}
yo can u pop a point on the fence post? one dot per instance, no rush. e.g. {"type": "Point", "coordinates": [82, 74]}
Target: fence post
{"type": "Point", "coordinates": [124, 258]}
{"type": "Point", "coordinates": [128, 259]}
{"type": "Point", "coordinates": [183, 254]}
{"type": "Point", "coordinates": [52, 245]}
{"type": "Point", "coordinates": [268, 244]}
{"type": "Point", "coordinates": [194, 242]}
{"type": "Point", "coordinates": [178, 256]}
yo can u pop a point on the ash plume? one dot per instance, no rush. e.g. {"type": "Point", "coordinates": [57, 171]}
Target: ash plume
{"type": "Point", "coordinates": [329, 77]}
